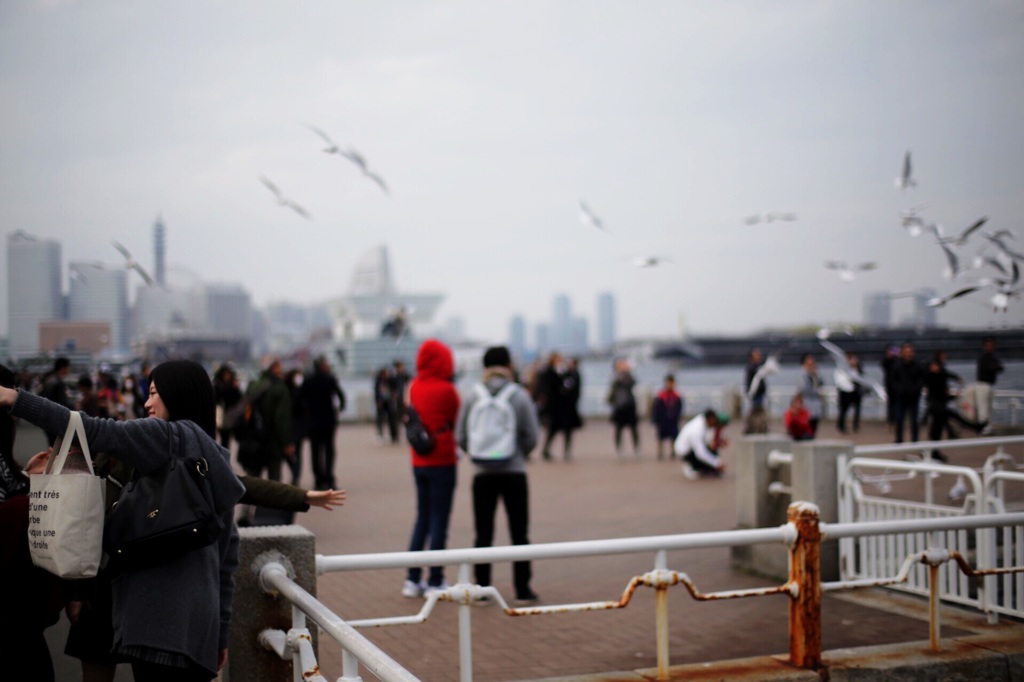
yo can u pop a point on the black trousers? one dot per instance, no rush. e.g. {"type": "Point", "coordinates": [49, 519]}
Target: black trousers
{"type": "Point", "coordinates": [321, 454]}
{"type": "Point", "coordinates": [512, 488]}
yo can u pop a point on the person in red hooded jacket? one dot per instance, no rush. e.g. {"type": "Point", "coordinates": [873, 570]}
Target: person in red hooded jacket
{"type": "Point", "coordinates": [433, 395]}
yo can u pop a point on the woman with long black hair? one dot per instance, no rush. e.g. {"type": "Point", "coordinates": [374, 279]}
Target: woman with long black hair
{"type": "Point", "coordinates": [170, 620]}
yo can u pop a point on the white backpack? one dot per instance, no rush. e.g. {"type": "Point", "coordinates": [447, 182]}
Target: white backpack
{"type": "Point", "coordinates": [491, 425]}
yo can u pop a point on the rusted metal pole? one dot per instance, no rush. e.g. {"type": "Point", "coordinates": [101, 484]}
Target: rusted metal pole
{"type": "Point", "coordinates": [805, 579]}
{"type": "Point", "coordinates": [934, 623]}
{"type": "Point", "coordinates": [661, 617]}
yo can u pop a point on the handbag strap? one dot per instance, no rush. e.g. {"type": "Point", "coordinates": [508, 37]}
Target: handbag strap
{"type": "Point", "coordinates": [55, 465]}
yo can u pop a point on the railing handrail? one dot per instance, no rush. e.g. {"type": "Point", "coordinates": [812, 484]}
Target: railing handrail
{"type": "Point", "coordinates": [725, 538]}
{"type": "Point", "coordinates": [897, 448]}
{"type": "Point", "coordinates": [275, 575]}
{"type": "Point", "coordinates": [554, 550]}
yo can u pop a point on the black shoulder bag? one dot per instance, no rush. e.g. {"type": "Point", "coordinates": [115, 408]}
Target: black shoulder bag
{"type": "Point", "coordinates": [162, 515]}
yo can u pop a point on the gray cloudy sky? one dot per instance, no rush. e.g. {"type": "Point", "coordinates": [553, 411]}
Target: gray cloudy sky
{"type": "Point", "coordinates": [489, 120]}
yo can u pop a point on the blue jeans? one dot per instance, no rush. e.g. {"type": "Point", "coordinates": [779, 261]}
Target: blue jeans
{"type": "Point", "coordinates": [435, 489]}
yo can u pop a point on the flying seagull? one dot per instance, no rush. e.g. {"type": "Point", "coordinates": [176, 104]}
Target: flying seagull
{"type": "Point", "coordinates": [332, 147]}
{"type": "Point", "coordinates": [953, 268]}
{"type": "Point", "coordinates": [847, 272]}
{"type": "Point", "coordinates": [131, 264]}
{"type": "Point", "coordinates": [999, 239]}
{"type": "Point", "coordinates": [939, 301]}
{"type": "Point", "coordinates": [905, 180]}
{"type": "Point", "coordinates": [916, 224]}
{"type": "Point", "coordinates": [962, 239]}
{"type": "Point", "coordinates": [283, 201]}
{"type": "Point", "coordinates": [650, 261]}
{"type": "Point", "coordinates": [769, 217]}
{"type": "Point", "coordinates": [587, 217]}
{"type": "Point", "coordinates": [839, 356]}
{"type": "Point", "coordinates": [768, 367]}
{"type": "Point", "coordinates": [353, 155]}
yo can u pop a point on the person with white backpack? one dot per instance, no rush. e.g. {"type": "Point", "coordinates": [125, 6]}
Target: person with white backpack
{"type": "Point", "coordinates": [497, 427]}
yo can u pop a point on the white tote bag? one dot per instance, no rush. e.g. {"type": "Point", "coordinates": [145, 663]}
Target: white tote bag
{"type": "Point", "coordinates": [65, 524]}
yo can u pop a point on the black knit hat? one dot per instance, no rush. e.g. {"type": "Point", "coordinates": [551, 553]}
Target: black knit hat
{"type": "Point", "coordinates": [187, 393]}
{"type": "Point", "coordinates": [497, 356]}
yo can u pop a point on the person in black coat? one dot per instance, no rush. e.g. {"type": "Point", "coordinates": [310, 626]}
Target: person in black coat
{"type": "Point", "coordinates": [905, 395]}
{"type": "Point", "coordinates": [318, 393]}
{"type": "Point", "coordinates": [939, 412]}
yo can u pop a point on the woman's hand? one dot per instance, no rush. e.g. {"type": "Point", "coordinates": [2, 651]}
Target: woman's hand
{"type": "Point", "coordinates": [328, 499]}
{"type": "Point", "coordinates": [7, 396]}
{"type": "Point", "coordinates": [37, 464]}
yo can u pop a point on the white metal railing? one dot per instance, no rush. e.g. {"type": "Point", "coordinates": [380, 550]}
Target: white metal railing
{"type": "Point", "coordinates": [463, 593]}
{"type": "Point", "coordinates": [865, 483]}
{"type": "Point", "coordinates": [295, 643]}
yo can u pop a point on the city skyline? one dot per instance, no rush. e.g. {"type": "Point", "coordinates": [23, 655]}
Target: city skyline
{"type": "Point", "coordinates": [490, 128]}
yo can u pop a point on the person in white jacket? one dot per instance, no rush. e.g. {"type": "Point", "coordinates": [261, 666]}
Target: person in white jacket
{"type": "Point", "coordinates": [691, 446]}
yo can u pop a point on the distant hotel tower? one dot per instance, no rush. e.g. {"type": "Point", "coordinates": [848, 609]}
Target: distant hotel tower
{"type": "Point", "coordinates": [878, 310]}
{"type": "Point", "coordinates": [159, 252]}
{"type": "Point", "coordinates": [605, 321]}
{"type": "Point", "coordinates": [33, 290]}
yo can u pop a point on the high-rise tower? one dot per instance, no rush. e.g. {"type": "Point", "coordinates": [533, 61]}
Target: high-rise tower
{"type": "Point", "coordinates": [33, 290]}
{"type": "Point", "coordinates": [159, 252]}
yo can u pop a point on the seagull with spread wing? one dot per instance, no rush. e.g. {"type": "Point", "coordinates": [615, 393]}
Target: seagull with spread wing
{"type": "Point", "coordinates": [905, 179]}
{"type": "Point", "coordinates": [962, 238]}
{"type": "Point", "coordinates": [848, 272]}
{"type": "Point", "coordinates": [131, 264]}
{"type": "Point", "coordinates": [284, 201]}
{"type": "Point", "coordinates": [650, 261]}
{"type": "Point", "coordinates": [939, 301]}
{"type": "Point", "coordinates": [769, 217]}
{"type": "Point", "coordinates": [353, 155]}
{"type": "Point", "coordinates": [588, 218]}
{"type": "Point", "coordinates": [840, 358]}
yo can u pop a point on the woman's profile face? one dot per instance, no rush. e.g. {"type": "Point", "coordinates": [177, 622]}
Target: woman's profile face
{"type": "Point", "coordinates": [155, 406]}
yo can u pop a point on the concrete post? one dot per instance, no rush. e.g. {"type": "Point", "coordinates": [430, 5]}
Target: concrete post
{"type": "Point", "coordinates": [253, 610]}
{"type": "Point", "coordinates": [756, 507]}
{"type": "Point", "coordinates": [814, 473]}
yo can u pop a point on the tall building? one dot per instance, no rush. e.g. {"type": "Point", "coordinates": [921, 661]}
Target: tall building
{"type": "Point", "coordinates": [561, 323]}
{"type": "Point", "coordinates": [99, 294]}
{"type": "Point", "coordinates": [229, 310]}
{"type": "Point", "coordinates": [159, 252]}
{"type": "Point", "coordinates": [605, 320]}
{"type": "Point", "coordinates": [878, 309]}
{"type": "Point", "coordinates": [33, 290]}
{"type": "Point", "coordinates": [517, 337]}
{"type": "Point", "coordinates": [925, 315]}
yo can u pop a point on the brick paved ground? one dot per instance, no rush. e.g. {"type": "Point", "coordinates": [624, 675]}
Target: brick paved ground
{"type": "Point", "coordinates": [594, 496]}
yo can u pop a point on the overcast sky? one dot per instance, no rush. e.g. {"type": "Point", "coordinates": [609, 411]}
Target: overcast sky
{"type": "Point", "coordinates": [489, 121]}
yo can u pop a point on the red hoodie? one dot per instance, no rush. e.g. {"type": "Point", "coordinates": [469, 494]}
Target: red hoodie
{"type": "Point", "coordinates": [433, 395]}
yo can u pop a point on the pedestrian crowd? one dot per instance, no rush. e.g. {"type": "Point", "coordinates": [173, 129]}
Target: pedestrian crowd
{"type": "Point", "coordinates": [137, 421]}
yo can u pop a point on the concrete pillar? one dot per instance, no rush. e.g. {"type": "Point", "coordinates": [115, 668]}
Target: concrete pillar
{"type": "Point", "coordinates": [815, 480]}
{"type": "Point", "coordinates": [253, 610]}
{"type": "Point", "coordinates": [756, 507]}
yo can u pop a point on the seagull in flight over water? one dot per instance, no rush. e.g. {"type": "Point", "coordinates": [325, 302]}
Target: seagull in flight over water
{"type": "Point", "coordinates": [283, 201]}
{"type": "Point", "coordinates": [131, 264]}
{"type": "Point", "coordinates": [352, 155]}
{"type": "Point", "coordinates": [905, 180]}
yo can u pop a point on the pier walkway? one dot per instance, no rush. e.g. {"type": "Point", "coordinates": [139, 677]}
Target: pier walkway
{"type": "Point", "coordinates": [594, 495]}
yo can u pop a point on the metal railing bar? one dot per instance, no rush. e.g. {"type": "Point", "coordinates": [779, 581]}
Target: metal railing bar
{"type": "Point", "coordinates": [555, 550]}
{"type": "Point", "coordinates": [274, 575]}
{"type": "Point", "coordinates": [834, 531]}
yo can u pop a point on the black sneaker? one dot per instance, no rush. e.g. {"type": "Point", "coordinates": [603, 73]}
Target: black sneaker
{"type": "Point", "coordinates": [526, 597]}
